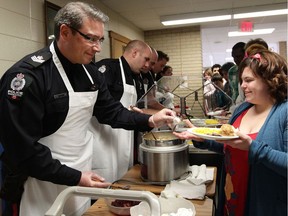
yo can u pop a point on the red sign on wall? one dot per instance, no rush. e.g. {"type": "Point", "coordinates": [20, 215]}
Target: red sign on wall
{"type": "Point", "coordinates": [246, 26]}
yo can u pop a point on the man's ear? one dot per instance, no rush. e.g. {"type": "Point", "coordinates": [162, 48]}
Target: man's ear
{"type": "Point", "coordinates": [134, 53]}
{"type": "Point", "coordinates": [65, 31]}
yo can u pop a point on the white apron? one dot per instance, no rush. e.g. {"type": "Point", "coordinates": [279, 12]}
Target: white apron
{"type": "Point", "coordinates": [113, 148]}
{"type": "Point", "coordinates": [72, 145]}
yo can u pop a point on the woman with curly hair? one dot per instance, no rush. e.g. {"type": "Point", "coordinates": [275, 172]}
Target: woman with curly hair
{"type": "Point", "coordinates": [256, 162]}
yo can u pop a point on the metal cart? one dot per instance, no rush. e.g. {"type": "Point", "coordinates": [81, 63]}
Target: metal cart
{"type": "Point", "coordinates": [57, 208]}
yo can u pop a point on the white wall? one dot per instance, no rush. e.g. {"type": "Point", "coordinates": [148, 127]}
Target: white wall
{"type": "Point", "coordinates": [22, 29]}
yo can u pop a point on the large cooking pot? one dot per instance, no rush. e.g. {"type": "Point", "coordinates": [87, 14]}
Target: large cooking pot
{"type": "Point", "coordinates": [163, 159]}
{"type": "Point", "coordinates": [161, 138]}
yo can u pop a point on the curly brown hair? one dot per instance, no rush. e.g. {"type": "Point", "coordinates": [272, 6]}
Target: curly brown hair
{"type": "Point", "coordinates": [270, 67]}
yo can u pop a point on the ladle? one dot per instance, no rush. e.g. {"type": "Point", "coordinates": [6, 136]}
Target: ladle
{"type": "Point", "coordinates": [175, 124]}
{"type": "Point", "coordinates": [153, 135]}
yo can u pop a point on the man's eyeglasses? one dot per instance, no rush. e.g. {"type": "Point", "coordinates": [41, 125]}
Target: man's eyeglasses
{"type": "Point", "coordinates": [92, 40]}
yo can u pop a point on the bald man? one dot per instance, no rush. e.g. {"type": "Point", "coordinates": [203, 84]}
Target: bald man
{"type": "Point", "coordinates": [113, 148]}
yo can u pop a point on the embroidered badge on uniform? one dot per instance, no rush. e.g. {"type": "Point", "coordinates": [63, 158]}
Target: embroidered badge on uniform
{"type": "Point", "coordinates": [17, 84]}
{"type": "Point", "coordinates": [102, 69]}
{"type": "Point", "coordinates": [38, 59]}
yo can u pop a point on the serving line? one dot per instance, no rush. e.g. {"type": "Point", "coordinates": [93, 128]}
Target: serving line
{"type": "Point", "coordinates": [134, 181]}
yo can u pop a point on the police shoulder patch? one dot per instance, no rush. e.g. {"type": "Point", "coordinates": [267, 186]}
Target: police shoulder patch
{"type": "Point", "coordinates": [39, 58]}
{"type": "Point", "coordinates": [18, 83]}
{"type": "Point", "coordinates": [102, 69]}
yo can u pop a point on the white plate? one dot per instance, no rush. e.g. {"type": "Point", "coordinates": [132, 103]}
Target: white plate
{"type": "Point", "coordinates": [222, 117]}
{"type": "Point", "coordinates": [202, 123]}
{"type": "Point", "coordinates": [215, 113]}
{"type": "Point", "coordinates": [209, 137]}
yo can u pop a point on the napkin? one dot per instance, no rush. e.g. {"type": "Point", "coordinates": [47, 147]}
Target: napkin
{"type": "Point", "coordinates": [199, 174]}
{"type": "Point", "coordinates": [193, 186]}
{"type": "Point", "coordinates": [174, 206]}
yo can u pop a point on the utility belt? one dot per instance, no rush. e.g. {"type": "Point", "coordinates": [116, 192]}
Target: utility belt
{"type": "Point", "coordinates": [13, 182]}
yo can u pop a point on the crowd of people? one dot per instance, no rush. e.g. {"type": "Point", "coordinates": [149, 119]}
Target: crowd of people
{"type": "Point", "coordinates": [66, 120]}
{"type": "Point", "coordinates": [256, 161]}
{"type": "Point", "coordinates": [226, 94]}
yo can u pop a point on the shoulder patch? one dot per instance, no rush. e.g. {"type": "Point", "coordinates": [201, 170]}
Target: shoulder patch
{"type": "Point", "coordinates": [18, 83]}
{"type": "Point", "coordinates": [102, 69]}
{"type": "Point", "coordinates": [38, 59]}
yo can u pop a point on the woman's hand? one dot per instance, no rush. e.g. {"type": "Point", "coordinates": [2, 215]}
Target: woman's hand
{"type": "Point", "coordinates": [243, 142]}
{"type": "Point", "coordinates": [186, 134]}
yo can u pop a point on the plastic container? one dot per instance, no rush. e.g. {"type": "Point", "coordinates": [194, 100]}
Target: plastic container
{"type": "Point", "coordinates": [120, 207]}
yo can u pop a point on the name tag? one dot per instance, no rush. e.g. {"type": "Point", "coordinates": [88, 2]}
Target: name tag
{"type": "Point", "coordinates": [61, 95]}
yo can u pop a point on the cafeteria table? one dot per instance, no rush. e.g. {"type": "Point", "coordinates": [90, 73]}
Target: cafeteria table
{"type": "Point", "coordinates": [135, 182]}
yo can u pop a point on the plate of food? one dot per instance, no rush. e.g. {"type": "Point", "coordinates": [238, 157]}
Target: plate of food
{"type": "Point", "coordinates": [226, 132]}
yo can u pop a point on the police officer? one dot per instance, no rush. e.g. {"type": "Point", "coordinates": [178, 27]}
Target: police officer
{"type": "Point", "coordinates": [46, 102]}
{"type": "Point", "coordinates": [113, 148]}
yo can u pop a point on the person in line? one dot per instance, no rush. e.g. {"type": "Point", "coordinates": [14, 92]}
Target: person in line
{"type": "Point", "coordinates": [238, 53]}
{"type": "Point", "coordinates": [220, 101]}
{"type": "Point", "coordinates": [113, 148]}
{"type": "Point", "coordinates": [224, 73]}
{"type": "Point", "coordinates": [227, 87]}
{"type": "Point", "coordinates": [256, 162]}
{"type": "Point", "coordinates": [215, 68]}
{"type": "Point", "coordinates": [167, 71]}
{"type": "Point", "coordinates": [208, 89]}
{"type": "Point", "coordinates": [240, 98]}
{"type": "Point", "coordinates": [259, 41]}
{"type": "Point", "coordinates": [46, 102]}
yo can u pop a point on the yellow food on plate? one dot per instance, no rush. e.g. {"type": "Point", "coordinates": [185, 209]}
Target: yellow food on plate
{"type": "Point", "coordinates": [211, 121]}
{"type": "Point", "coordinates": [227, 130]}
{"type": "Point", "coordinates": [207, 131]}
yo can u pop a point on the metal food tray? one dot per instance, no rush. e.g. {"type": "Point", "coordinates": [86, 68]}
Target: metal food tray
{"type": "Point", "coordinates": [57, 208]}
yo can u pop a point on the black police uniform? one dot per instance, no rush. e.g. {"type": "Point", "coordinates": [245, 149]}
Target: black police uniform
{"type": "Point", "coordinates": [34, 103]}
{"type": "Point", "coordinates": [148, 79]}
{"type": "Point", "coordinates": [112, 71]}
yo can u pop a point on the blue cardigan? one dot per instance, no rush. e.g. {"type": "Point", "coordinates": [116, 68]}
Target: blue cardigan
{"type": "Point", "coordinates": [267, 189]}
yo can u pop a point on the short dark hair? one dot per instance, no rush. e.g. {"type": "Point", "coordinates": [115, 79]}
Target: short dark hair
{"type": "Point", "coordinates": [216, 77]}
{"type": "Point", "coordinates": [162, 55]}
{"type": "Point", "coordinates": [239, 45]}
{"type": "Point", "coordinates": [225, 67]}
{"type": "Point", "coordinates": [215, 66]}
{"type": "Point", "coordinates": [256, 41]}
{"type": "Point", "coordinates": [73, 13]}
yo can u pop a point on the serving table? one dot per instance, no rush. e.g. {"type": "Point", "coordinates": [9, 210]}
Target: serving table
{"type": "Point", "coordinates": [133, 179]}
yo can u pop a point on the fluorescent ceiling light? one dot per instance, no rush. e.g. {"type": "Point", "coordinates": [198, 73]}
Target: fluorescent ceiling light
{"type": "Point", "coordinates": [218, 15]}
{"type": "Point", "coordinates": [261, 14]}
{"type": "Point", "coordinates": [196, 20]}
{"type": "Point", "coordinates": [255, 32]}
{"type": "Point", "coordinates": [188, 18]}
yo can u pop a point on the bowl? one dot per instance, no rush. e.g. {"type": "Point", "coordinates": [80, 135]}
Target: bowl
{"type": "Point", "coordinates": [120, 207]}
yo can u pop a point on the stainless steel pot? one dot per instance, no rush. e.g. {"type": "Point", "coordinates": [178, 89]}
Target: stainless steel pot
{"type": "Point", "coordinates": [163, 160]}
{"type": "Point", "coordinates": [161, 138]}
